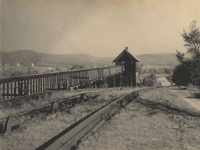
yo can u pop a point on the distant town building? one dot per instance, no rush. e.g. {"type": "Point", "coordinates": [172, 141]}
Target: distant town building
{"type": "Point", "coordinates": [17, 64]}
{"type": "Point", "coordinates": [4, 68]}
{"type": "Point", "coordinates": [6, 65]}
{"type": "Point", "coordinates": [32, 65]}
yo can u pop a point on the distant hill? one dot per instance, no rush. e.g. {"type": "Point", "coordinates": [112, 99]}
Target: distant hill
{"type": "Point", "coordinates": [158, 59]}
{"type": "Point", "coordinates": [27, 57]}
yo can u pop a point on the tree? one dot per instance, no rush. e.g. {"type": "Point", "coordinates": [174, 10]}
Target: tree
{"type": "Point", "coordinates": [181, 75]}
{"type": "Point", "coordinates": [188, 71]}
{"type": "Point", "coordinates": [155, 70]}
{"type": "Point", "coordinates": [180, 56]}
{"type": "Point", "coordinates": [151, 70]}
{"type": "Point", "coordinates": [192, 39]}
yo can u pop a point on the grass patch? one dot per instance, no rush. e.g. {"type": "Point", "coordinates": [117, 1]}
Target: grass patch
{"type": "Point", "coordinates": [13, 107]}
{"type": "Point", "coordinates": [167, 97]}
{"type": "Point", "coordinates": [35, 134]}
{"type": "Point", "coordinates": [159, 121]}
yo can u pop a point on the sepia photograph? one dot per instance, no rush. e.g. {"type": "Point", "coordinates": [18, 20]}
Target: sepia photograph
{"type": "Point", "coordinates": [99, 75]}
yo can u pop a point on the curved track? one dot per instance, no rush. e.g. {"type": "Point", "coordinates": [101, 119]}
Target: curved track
{"type": "Point", "coordinates": [30, 115]}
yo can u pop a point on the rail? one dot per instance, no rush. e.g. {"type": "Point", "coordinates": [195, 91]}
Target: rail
{"type": "Point", "coordinates": [87, 126]}
{"type": "Point", "coordinates": [28, 115]}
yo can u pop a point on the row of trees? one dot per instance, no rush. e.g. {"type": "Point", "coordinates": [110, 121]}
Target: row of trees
{"type": "Point", "coordinates": [188, 71]}
{"type": "Point", "coordinates": [156, 71]}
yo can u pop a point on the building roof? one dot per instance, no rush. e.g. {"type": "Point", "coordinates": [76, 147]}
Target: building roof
{"type": "Point", "coordinates": [125, 52]}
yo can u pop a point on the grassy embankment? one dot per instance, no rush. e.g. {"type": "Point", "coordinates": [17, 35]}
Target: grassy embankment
{"type": "Point", "coordinates": [35, 134]}
{"type": "Point", "coordinates": [9, 108]}
{"type": "Point", "coordinates": [158, 119]}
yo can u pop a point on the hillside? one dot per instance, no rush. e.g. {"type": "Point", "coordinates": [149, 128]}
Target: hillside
{"type": "Point", "coordinates": [26, 57]}
{"type": "Point", "coordinates": [158, 59]}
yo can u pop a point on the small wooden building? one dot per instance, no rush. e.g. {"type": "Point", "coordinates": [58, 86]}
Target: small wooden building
{"type": "Point", "coordinates": [131, 64]}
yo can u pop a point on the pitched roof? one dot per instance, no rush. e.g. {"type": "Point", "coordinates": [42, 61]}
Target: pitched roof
{"type": "Point", "coordinates": [125, 53]}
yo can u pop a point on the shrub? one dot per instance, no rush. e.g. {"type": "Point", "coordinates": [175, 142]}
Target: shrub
{"type": "Point", "coordinates": [58, 69]}
{"type": "Point", "coordinates": [32, 71]}
{"type": "Point", "coordinates": [168, 71]}
{"type": "Point", "coordinates": [16, 73]}
{"type": "Point", "coordinates": [150, 81]}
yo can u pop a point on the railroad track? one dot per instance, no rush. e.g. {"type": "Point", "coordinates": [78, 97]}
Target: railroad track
{"type": "Point", "coordinates": [21, 118]}
{"type": "Point", "coordinates": [87, 126]}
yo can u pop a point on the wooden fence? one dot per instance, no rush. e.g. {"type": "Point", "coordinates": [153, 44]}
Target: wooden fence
{"type": "Point", "coordinates": [35, 84]}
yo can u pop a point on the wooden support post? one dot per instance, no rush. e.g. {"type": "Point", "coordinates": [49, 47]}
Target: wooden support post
{"type": "Point", "coordinates": [43, 84]}
{"type": "Point", "coordinates": [127, 80]}
{"type": "Point", "coordinates": [89, 84]}
{"type": "Point", "coordinates": [131, 81]}
{"type": "Point", "coordinates": [55, 82]}
{"type": "Point", "coordinates": [120, 80]}
{"type": "Point", "coordinates": [57, 79]}
{"type": "Point", "coordinates": [135, 77]}
{"type": "Point", "coordinates": [33, 86]}
{"type": "Point", "coordinates": [52, 80]}
{"type": "Point", "coordinates": [95, 84]}
{"type": "Point", "coordinates": [36, 85]}
{"type": "Point", "coordinates": [11, 89]}
{"type": "Point", "coordinates": [7, 89]}
{"type": "Point", "coordinates": [108, 81]}
{"type": "Point", "coordinates": [92, 85]}
{"type": "Point", "coordinates": [22, 84]}
{"type": "Point", "coordinates": [114, 81]}
{"type": "Point", "coordinates": [100, 83]}
{"type": "Point", "coordinates": [49, 83]}
{"type": "Point", "coordinates": [104, 81]}
{"type": "Point", "coordinates": [28, 88]}
{"type": "Point", "coordinates": [15, 88]}
{"type": "Point", "coordinates": [3, 89]}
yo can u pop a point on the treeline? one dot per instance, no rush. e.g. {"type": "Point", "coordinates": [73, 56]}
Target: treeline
{"type": "Point", "coordinates": [156, 71]}
{"type": "Point", "coordinates": [11, 72]}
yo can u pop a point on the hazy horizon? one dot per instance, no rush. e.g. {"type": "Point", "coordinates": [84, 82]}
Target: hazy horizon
{"type": "Point", "coordinates": [161, 53]}
{"type": "Point", "coordinates": [96, 27]}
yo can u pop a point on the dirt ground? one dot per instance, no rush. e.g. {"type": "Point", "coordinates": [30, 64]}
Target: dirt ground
{"type": "Point", "coordinates": [186, 96]}
{"type": "Point", "coordinates": [148, 125]}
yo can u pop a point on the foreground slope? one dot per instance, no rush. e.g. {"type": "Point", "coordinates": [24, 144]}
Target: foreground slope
{"type": "Point", "coordinates": [159, 119]}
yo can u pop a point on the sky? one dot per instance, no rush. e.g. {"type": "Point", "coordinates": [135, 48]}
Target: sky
{"type": "Point", "coordinates": [97, 27]}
